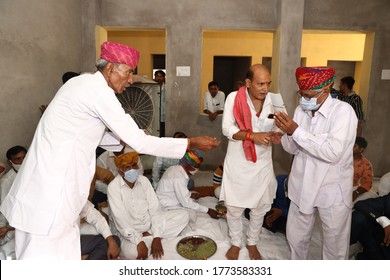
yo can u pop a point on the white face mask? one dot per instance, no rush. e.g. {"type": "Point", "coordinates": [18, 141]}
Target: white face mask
{"type": "Point", "coordinates": [193, 172]}
{"type": "Point", "coordinates": [16, 166]}
{"type": "Point", "coordinates": [311, 104]}
{"type": "Point", "coordinates": [131, 175]}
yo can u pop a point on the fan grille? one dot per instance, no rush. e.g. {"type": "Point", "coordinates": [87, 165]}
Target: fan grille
{"type": "Point", "coordinates": [138, 104]}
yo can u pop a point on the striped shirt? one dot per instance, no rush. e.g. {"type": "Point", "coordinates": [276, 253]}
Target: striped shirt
{"type": "Point", "coordinates": [355, 101]}
{"type": "Point", "coordinates": [217, 176]}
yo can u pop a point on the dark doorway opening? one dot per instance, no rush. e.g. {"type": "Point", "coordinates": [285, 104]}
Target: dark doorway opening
{"type": "Point", "coordinates": [229, 69]}
{"type": "Point", "coordinates": [159, 64]}
{"type": "Point", "coordinates": [159, 61]}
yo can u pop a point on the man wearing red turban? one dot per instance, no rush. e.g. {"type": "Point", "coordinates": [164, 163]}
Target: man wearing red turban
{"type": "Point", "coordinates": [321, 137]}
{"type": "Point", "coordinates": [53, 184]}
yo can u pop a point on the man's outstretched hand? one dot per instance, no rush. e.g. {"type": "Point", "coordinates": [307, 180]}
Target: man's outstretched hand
{"type": "Point", "coordinates": [204, 143]}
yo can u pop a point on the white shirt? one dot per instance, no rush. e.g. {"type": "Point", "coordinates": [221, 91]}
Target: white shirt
{"type": "Point", "coordinates": [172, 191]}
{"type": "Point", "coordinates": [214, 104]}
{"type": "Point", "coordinates": [134, 210]}
{"type": "Point", "coordinates": [245, 183]}
{"type": "Point", "coordinates": [94, 218]}
{"type": "Point", "coordinates": [60, 163]}
{"type": "Point", "coordinates": [6, 183]}
{"type": "Point", "coordinates": [322, 170]}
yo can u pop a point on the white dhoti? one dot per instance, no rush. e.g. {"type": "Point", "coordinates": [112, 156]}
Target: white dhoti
{"type": "Point", "coordinates": [174, 222]}
{"type": "Point", "coordinates": [234, 220]}
{"type": "Point", "coordinates": [336, 228]}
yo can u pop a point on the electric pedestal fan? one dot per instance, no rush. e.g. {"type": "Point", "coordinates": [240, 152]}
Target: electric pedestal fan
{"type": "Point", "coordinates": [141, 101]}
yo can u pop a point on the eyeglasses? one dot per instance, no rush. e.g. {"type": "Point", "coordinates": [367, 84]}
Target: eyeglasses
{"type": "Point", "coordinates": [319, 92]}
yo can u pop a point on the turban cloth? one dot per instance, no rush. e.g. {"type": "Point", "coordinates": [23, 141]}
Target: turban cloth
{"type": "Point", "coordinates": [122, 160]}
{"type": "Point", "coordinates": [312, 78]}
{"type": "Point", "coordinates": [119, 53]}
{"type": "Point", "coordinates": [191, 158]}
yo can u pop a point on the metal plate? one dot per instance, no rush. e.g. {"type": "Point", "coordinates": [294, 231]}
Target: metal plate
{"type": "Point", "coordinates": [196, 247]}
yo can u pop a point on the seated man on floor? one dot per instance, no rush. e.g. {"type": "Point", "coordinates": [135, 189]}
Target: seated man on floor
{"type": "Point", "coordinates": [15, 157]}
{"type": "Point", "coordinates": [371, 224]}
{"type": "Point", "coordinates": [97, 242]}
{"type": "Point", "coordinates": [172, 190]}
{"type": "Point", "coordinates": [136, 213]}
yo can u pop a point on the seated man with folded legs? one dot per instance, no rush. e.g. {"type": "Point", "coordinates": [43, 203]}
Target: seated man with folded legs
{"type": "Point", "coordinates": [138, 219]}
{"type": "Point", "coordinates": [172, 190]}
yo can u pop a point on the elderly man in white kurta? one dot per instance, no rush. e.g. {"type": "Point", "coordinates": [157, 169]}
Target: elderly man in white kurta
{"type": "Point", "coordinates": [136, 212]}
{"type": "Point", "coordinates": [53, 183]}
{"type": "Point", "coordinates": [321, 137]}
{"type": "Point", "coordinates": [248, 180]}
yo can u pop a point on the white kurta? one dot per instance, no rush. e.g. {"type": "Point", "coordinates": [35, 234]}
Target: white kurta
{"type": "Point", "coordinates": [7, 244]}
{"type": "Point", "coordinates": [214, 104]}
{"type": "Point", "coordinates": [137, 210]}
{"type": "Point", "coordinates": [321, 178]}
{"type": "Point", "coordinates": [244, 183]}
{"type": "Point", "coordinates": [6, 182]}
{"type": "Point", "coordinates": [322, 170]}
{"type": "Point", "coordinates": [94, 218]}
{"type": "Point", "coordinates": [172, 191]}
{"type": "Point", "coordinates": [53, 182]}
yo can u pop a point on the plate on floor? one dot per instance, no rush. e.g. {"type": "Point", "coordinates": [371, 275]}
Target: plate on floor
{"type": "Point", "coordinates": [196, 247]}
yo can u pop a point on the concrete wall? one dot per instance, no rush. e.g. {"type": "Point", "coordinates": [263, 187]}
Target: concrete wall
{"type": "Point", "coordinates": [39, 40]}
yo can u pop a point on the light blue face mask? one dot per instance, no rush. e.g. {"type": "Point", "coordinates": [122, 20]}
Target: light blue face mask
{"type": "Point", "coordinates": [311, 104]}
{"type": "Point", "coordinates": [131, 175]}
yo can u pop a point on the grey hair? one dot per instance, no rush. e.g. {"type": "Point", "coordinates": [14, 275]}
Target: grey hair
{"type": "Point", "coordinates": [102, 63]}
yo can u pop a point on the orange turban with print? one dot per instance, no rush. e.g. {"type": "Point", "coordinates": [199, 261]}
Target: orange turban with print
{"type": "Point", "coordinates": [119, 53]}
{"type": "Point", "coordinates": [312, 78]}
{"type": "Point", "coordinates": [122, 160]}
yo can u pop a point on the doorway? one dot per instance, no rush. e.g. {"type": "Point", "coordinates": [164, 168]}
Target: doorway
{"type": "Point", "coordinates": [229, 69]}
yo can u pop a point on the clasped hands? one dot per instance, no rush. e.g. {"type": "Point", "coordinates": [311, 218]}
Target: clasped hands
{"type": "Point", "coordinates": [266, 138]}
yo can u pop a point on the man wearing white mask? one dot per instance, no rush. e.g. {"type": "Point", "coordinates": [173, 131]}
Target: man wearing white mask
{"type": "Point", "coordinates": [15, 157]}
{"type": "Point", "coordinates": [137, 217]}
{"type": "Point", "coordinates": [320, 136]}
{"type": "Point", "coordinates": [172, 190]}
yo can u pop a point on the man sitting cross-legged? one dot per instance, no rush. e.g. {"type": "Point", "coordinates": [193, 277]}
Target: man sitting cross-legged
{"type": "Point", "coordinates": [138, 219]}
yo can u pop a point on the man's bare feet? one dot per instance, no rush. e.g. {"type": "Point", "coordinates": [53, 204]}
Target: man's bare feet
{"type": "Point", "coordinates": [233, 252]}
{"type": "Point", "coordinates": [254, 254]}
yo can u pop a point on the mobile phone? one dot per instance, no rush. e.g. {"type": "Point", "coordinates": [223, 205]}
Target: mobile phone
{"type": "Point", "coordinates": [271, 116]}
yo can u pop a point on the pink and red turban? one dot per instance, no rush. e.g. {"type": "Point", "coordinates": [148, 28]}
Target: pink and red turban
{"type": "Point", "coordinates": [311, 78]}
{"type": "Point", "coordinates": [119, 53]}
